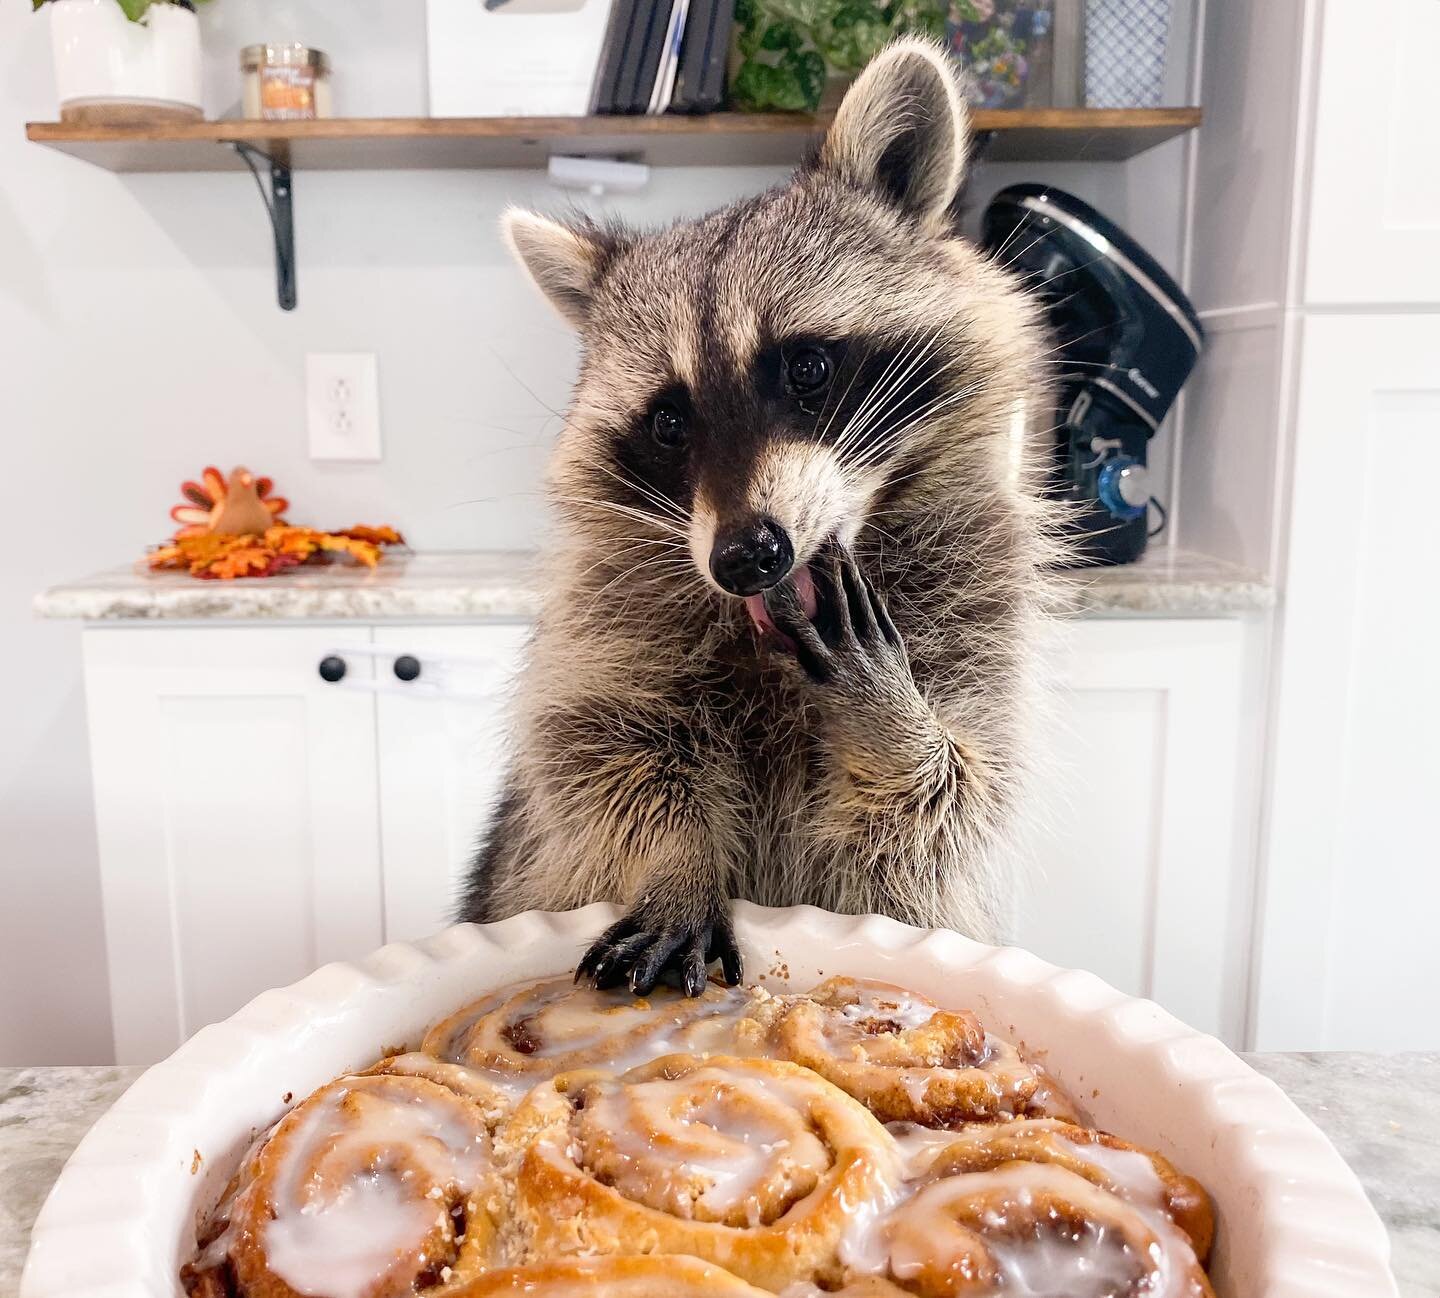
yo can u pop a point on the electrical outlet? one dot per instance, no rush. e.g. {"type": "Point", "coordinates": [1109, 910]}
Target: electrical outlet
{"type": "Point", "coordinates": [342, 399]}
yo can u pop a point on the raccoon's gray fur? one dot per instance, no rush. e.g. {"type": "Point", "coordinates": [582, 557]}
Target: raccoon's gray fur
{"type": "Point", "coordinates": [676, 745]}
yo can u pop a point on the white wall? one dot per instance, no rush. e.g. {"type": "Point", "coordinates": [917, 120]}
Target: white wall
{"type": "Point", "coordinates": [1242, 271]}
{"type": "Point", "coordinates": [140, 340]}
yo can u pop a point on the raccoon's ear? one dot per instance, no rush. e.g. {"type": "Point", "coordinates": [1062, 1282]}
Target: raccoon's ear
{"type": "Point", "coordinates": [565, 261]}
{"type": "Point", "coordinates": [903, 131]}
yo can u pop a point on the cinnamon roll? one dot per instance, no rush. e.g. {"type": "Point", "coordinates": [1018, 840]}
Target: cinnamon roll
{"type": "Point", "coordinates": [1026, 1228]}
{"type": "Point", "coordinates": [1140, 1177]}
{"type": "Point", "coordinates": [539, 1029]}
{"type": "Point", "coordinates": [376, 1186]}
{"type": "Point", "coordinates": [650, 1276]}
{"type": "Point", "coordinates": [755, 1165]}
{"type": "Point", "coordinates": [900, 1054]}
{"type": "Point", "coordinates": [550, 1140]}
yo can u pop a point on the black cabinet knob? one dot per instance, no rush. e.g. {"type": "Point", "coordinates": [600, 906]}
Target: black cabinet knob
{"type": "Point", "coordinates": [332, 669]}
{"type": "Point", "coordinates": [407, 667]}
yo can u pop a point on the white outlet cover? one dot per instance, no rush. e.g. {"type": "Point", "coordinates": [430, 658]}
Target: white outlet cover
{"type": "Point", "coordinates": [342, 403]}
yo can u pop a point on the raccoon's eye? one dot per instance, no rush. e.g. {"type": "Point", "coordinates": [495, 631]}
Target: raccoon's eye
{"type": "Point", "coordinates": [807, 371]}
{"type": "Point", "coordinates": [667, 426]}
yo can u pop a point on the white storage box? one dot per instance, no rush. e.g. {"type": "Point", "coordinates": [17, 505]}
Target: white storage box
{"type": "Point", "coordinates": [514, 58]}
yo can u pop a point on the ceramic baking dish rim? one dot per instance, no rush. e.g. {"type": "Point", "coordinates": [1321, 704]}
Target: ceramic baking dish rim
{"type": "Point", "coordinates": [1323, 1239]}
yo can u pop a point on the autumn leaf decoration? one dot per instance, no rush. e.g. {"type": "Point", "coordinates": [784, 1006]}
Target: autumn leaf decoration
{"type": "Point", "coordinates": [232, 528]}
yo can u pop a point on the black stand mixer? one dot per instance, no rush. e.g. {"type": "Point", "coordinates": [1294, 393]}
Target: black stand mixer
{"type": "Point", "coordinates": [1126, 340]}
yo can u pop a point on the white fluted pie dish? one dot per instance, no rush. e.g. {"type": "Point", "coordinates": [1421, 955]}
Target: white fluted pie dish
{"type": "Point", "coordinates": [1292, 1219]}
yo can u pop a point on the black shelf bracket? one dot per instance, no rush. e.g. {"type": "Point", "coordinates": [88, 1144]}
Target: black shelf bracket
{"type": "Point", "coordinates": [279, 206]}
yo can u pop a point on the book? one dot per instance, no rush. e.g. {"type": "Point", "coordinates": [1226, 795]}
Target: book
{"type": "Point", "coordinates": [646, 17]}
{"type": "Point", "coordinates": [698, 25]}
{"type": "Point", "coordinates": [714, 73]}
{"type": "Point", "coordinates": [651, 56]}
{"type": "Point", "coordinates": [612, 54]}
{"type": "Point", "coordinates": [669, 58]}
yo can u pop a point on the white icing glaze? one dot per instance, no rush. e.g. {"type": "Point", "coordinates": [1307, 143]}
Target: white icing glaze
{"type": "Point", "coordinates": [555, 1023]}
{"type": "Point", "coordinates": [923, 1235]}
{"type": "Point", "coordinates": [904, 1009]}
{"type": "Point", "coordinates": [339, 1240]}
{"type": "Point", "coordinates": [732, 1143]}
{"type": "Point", "coordinates": [341, 1250]}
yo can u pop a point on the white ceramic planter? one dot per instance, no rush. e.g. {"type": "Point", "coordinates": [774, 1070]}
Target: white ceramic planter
{"type": "Point", "coordinates": [108, 68]}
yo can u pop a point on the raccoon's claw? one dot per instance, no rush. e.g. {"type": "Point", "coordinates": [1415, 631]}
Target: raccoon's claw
{"type": "Point", "coordinates": [639, 951]}
{"type": "Point", "coordinates": [852, 635]}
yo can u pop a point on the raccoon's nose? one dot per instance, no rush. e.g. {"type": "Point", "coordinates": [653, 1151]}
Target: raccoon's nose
{"type": "Point", "coordinates": [751, 557]}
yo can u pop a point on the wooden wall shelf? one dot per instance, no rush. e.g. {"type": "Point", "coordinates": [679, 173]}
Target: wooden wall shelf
{"type": "Point", "coordinates": [719, 139]}
{"type": "Point", "coordinates": [418, 143]}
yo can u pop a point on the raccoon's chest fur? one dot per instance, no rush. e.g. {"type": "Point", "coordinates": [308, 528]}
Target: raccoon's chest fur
{"type": "Point", "coordinates": [762, 718]}
{"type": "Point", "coordinates": [775, 737]}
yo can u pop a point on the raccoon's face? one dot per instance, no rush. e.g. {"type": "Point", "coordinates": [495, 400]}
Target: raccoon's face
{"type": "Point", "coordinates": [770, 376]}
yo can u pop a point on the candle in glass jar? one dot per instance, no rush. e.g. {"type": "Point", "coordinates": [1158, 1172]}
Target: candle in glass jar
{"type": "Point", "coordinates": [285, 82]}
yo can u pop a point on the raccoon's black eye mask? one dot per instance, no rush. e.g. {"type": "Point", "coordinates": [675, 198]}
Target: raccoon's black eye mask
{"type": "Point", "coordinates": [858, 394]}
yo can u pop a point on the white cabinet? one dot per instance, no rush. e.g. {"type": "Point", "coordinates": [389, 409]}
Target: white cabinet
{"type": "Point", "coordinates": [1321, 284]}
{"type": "Point", "coordinates": [1137, 847]}
{"type": "Point", "coordinates": [1349, 956]}
{"type": "Point", "coordinates": [237, 816]}
{"type": "Point", "coordinates": [1374, 209]}
{"type": "Point", "coordinates": [440, 755]}
{"type": "Point", "coordinates": [256, 820]}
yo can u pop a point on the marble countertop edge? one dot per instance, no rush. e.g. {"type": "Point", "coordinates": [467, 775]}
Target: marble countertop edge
{"type": "Point", "coordinates": [502, 585]}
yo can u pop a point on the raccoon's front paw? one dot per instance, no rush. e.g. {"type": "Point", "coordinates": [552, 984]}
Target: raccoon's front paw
{"type": "Point", "coordinates": [651, 941]}
{"type": "Point", "coordinates": [852, 642]}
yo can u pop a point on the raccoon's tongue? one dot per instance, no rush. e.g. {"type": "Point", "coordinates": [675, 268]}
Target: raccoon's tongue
{"type": "Point", "coordinates": [804, 587]}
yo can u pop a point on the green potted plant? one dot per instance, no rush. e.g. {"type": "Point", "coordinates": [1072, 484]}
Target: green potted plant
{"type": "Point", "coordinates": [787, 50]}
{"type": "Point", "coordinates": [119, 61]}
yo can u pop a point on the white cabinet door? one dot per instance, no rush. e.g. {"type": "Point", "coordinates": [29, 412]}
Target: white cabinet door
{"type": "Point", "coordinates": [442, 760]}
{"type": "Point", "coordinates": [1375, 190]}
{"type": "Point", "coordinates": [1138, 843]}
{"type": "Point", "coordinates": [235, 802]}
{"type": "Point", "coordinates": [1349, 958]}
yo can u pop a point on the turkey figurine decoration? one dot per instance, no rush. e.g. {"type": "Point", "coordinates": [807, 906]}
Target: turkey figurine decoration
{"type": "Point", "coordinates": [233, 527]}
{"type": "Point", "coordinates": [233, 506]}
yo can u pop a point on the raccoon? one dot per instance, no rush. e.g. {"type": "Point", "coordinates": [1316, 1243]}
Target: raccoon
{"type": "Point", "coordinates": [785, 641]}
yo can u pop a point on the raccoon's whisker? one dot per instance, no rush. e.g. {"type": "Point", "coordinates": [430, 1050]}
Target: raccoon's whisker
{"type": "Point", "coordinates": [884, 440]}
{"type": "Point", "coordinates": [619, 577]}
{"type": "Point", "coordinates": [875, 397]}
{"type": "Point", "coordinates": [1070, 342]}
{"type": "Point", "coordinates": [629, 544]}
{"type": "Point", "coordinates": [1035, 288]}
{"type": "Point", "coordinates": [663, 502]}
{"type": "Point", "coordinates": [1037, 239]}
{"type": "Point", "coordinates": [881, 394]}
{"type": "Point", "coordinates": [535, 396]}
{"type": "Point", "coordinates": [632, 515]}
{"type": "Point", "coordinates": [626, 550]}
{"type": "Point", "coordinates": [879, 399]}
{"type": "Point", "coordinates": [839, 404]}
{"type": "Point", "coordinates": [656, 498]}
{"type": "Point", "coordinates": [627, 511]}
{"type": "Point", "coordinates": [1014, 230]}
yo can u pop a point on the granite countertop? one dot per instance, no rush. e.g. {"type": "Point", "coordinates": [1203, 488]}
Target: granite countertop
{"type": "Point", "coordinates": [502, 584]}
{"type": "Point", "coordinates": [1376, 1108]}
